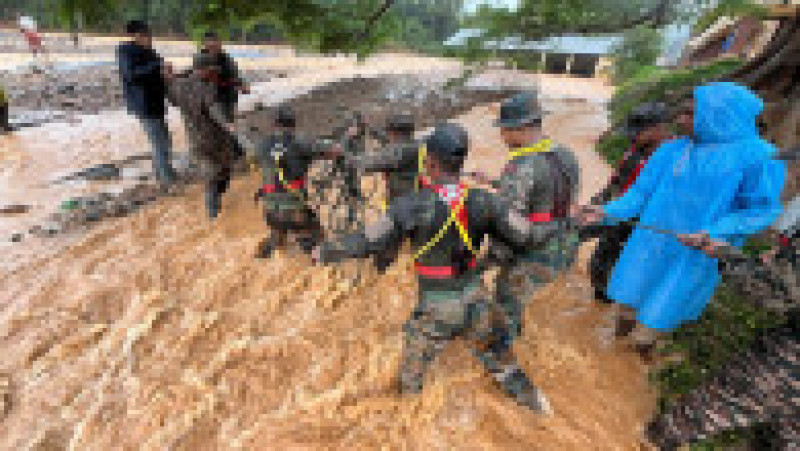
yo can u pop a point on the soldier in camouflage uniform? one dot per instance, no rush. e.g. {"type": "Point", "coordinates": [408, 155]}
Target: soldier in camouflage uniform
{"type": "Point", "coordinates": [284, 159]}
{"type": "Point", "coordinates": [399, 162]}
{"type": "Point", "coordinates": [354, 145]}
{"type": "Point", "coordinates": [759, 386]}
{"type": "Point", "coordinates": [209, 139]}
{"type": "Point", "coordinates": [446, 222]}
{"type": "Point", "coordinates": [540, 182]}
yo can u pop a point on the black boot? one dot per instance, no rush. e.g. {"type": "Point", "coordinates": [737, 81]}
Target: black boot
{"type": "Point", "coordinates": [524, 392]}
{"type": "Point", "coordinates": [308, 242]}
{"type": "Point", "coordinates": [213, 201]}
{"type": "Point", "coordinates": [267, 247]}
{"type": "Point", "coordinates": [385, 259]}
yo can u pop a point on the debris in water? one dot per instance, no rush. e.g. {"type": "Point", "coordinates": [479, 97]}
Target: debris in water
{"type": "Point", "coordinates": [14, 209]}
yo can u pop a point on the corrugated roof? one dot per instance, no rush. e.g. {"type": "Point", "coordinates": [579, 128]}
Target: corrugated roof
{"type": "Point", "coordinates": [577, 44]}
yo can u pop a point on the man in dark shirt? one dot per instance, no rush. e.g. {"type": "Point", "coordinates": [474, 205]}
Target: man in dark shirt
{"type": "Point", "coordinates": [143, 73]}
{"type": "Point", "coordinates": [647, 129]}
{"type": "Point", "coordinates": [227, 81]}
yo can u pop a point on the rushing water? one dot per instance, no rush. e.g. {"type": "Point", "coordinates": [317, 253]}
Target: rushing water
{"type": "Point", "coordinates": [160, 331]}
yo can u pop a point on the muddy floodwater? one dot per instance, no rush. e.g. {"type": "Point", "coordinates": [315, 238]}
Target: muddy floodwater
{"type": "Point", "coordinates": [160, 330]}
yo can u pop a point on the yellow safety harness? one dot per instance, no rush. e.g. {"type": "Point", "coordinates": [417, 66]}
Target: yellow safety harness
{"type": "Point", "coordinates": [541, 146]}
{"type": "Point", "coordinates": [452, 219]}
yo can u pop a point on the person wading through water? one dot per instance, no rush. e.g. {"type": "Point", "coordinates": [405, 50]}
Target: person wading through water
{"type": "Point", "coordinates": [206, 130]}
{"type": "Point", "coordinates": [539, 181]}
{"type": "Point", "coordinates": [446, 221]}
{"type": "Point", "coordinates": [285, 158]}
{"type": "Point", "coordinates": [226, 80]}
{"type": "Point", "coordinates": [400, 161]}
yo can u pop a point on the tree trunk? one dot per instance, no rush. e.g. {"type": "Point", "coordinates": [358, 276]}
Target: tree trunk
{"type": "Point", "coordinates": [782, 36]}
{"type": "Point", "coordinates": [4, 126]}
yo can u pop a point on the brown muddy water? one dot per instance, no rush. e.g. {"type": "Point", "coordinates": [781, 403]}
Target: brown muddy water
{"type": "Point", "coordinates": [160, 331]}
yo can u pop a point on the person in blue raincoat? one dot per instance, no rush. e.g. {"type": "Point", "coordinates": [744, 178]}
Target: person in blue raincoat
{"type": "Point", "coordinates": [718, 185]}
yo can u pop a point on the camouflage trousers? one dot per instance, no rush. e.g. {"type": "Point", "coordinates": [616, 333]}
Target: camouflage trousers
{"type": "Point", "coordinates": [442, 316]}
{"type": "Point", "coordinates": [760, 386]}
{"type": "Point", "coordinates": [519, 280]}
{"type": "Point", "coordinates": [288, 213]}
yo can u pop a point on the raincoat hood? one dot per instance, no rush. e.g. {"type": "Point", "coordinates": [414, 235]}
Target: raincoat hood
{"type": "Point", "coordinates": [725, 112]}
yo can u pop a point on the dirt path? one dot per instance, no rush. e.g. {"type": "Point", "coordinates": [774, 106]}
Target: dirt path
{"type": "Point", "coordinates": [161, 331]}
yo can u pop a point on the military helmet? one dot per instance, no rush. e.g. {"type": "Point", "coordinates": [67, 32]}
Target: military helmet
{"type": "Point", "coordinates": [402, 122]}
{"type": "Point", "coordinates": [285, 116]}
{"type": "Point", "coordinates": [645, 116]}
{"type": "Point", "coordinates": [521, 110]}
{"type": "Point", "coordinates": [449, 143]}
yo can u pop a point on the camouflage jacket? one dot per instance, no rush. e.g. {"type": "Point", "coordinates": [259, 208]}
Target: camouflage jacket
{"type": "Point", "coordinates": [399, 163]}
{"type": "Point", "coordinates": [421, 216]}
{"type": "Point", "coordinates": [228, 78]}
{"type": "Point", "coordinates": [202, 116]}
{"type": "Point", "coordinates": [529, 185]}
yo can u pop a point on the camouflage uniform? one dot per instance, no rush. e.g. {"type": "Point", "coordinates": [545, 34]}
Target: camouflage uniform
{"type": "Point", "coordinates": [285, 160]}
{"type": "Point", "coordinates": [761, 385]}
{"type": "Point", "coordinates": [451, 302]}
{"type": "Point", "coordinates": [209, 141]}
{"type": "Point", "coordinates": [227, 80]}
{"type": "Point", "coordinates": [536, 184]}
{"type": "Point", "coordinates": [354, 149]}
{"type": "Point", "coordinates": [399, 164]}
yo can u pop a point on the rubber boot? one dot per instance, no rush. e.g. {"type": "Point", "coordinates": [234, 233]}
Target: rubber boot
{"type": "Point", "coordinates": [524, 392]}
{"type": "Point", "coordinates": [385, 259]}
{"type": "Point", "coordinates": [308, 241]}
{"type": "Point", "coordinates": [213, 202]}
{"type": "Point", "coordinates": [267, 246]}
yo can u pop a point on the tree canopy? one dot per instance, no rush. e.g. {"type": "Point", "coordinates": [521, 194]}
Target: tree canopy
{"type": "Point", "coordinates": [535, 19]}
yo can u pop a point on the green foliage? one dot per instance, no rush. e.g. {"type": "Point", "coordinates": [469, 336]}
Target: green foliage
{"type": "Point", "coordinates": [666, 86]}
{"type": "Point", "coordinates": [535, 19]}
{"type": "Point", "coordinates": [640, 47]}
{"type": "Point", "coordinates": [613, 146]}
{"type": "Point", "coordinates": [729, 325]}
{"type": "Point", "coordinates": [3, 95]}
{"type": "Point", "coordinates": [324, 25]}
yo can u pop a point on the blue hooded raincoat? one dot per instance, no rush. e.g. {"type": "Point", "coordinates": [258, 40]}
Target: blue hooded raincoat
{"type": "Point", "coordinates": [724, 182]}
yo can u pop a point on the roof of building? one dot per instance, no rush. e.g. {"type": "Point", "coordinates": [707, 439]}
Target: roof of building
{"type": "Point", "coordinates": [574, 44]}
